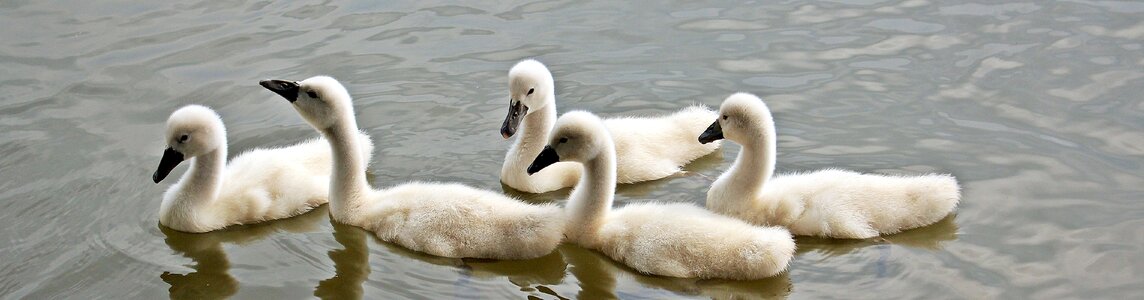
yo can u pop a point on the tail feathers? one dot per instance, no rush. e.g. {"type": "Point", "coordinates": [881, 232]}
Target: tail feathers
{"type": "Point", "coordinates": [695, 117]}
{"type": "Point", "coordinates": [940, 192]}
{"type": "Point", "coordinates": [773, 249]}
{"type": "Point", "coordinates": [932, 198]}
{"type": "Point", "coordinates": [692, 121]}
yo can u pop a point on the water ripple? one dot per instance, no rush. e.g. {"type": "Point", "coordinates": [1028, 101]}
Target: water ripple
{"type": "Point", "coordinates": [1031, 104]}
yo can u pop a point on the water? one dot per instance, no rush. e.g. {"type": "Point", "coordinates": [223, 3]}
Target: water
{"type": "Point", "coordinates": [1034, 106]}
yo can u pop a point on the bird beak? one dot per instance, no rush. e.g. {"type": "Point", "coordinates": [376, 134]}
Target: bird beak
{"type": "Point", "coordinates": [286, 89]}
{"type": "Point", "coordinates": [546, 158]}
{"type": "Point", "coordinates": [171, 158]}
{"type": "Point", "coordinates": [713, 133]}
{"type": "Point", "coordinates": [512, 120]}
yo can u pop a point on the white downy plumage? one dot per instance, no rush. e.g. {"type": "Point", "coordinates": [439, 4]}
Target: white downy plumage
{"type": "Point", "coordinates": [449, 220]}
{"type": "Point", "coordinates": [677, 240]}
{"type": "Point", "coordinates": [258, 185]}
{"type": "Point", "coordinates": [642, 153]}
{"type": "Point", "coordinates": [826, 203]}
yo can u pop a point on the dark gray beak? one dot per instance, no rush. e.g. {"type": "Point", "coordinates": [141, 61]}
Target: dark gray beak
{"type": "Point", "coordinates": [512, 121]}
{"type": "Point", "coordinates": [546, 158]}
{"type": "Point", "coordinates": [171, 158]}
{"type": "Point", "coordinates": [286, 89]}
{"type": "Point", "coordinates": [713, 133]}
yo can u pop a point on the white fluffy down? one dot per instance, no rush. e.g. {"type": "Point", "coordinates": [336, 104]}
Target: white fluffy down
{"type": "Point", "coordinates": [449, 220]}
{"type": "Point", "coordinates": [684, 240]}
{"type": "Point", "coordinates": [647, 148]}
{"type": "Point", "coordinates": [676, 240]}
{"type": "Point", "coordinates": [455, 220]}
{"type": "Point", "coordinates": [258, 185]}
{"type": "Point", "coordinates": [826, 203]}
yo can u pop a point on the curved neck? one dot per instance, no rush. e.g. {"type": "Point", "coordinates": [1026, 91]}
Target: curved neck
{"type": "Point", "coordinates": [201, 184]}
{"type": "Point", "coordinates": [535, 129]}
{"type": "Point", "coordinates": [590, 201]}
{"type": "Point", "coordinates": [347, 183]}
{"type": "Point", "coordinates": [756, 162]}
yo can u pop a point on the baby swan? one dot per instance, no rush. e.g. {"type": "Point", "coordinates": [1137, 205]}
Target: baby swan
{"type": "Point", "coordinates": [642, 154]}
{"type": "Point", "coordinates": [677, 240]}
{"type": "Point", "coordinates": [259, 185]}
{"type": "Point", "coordinates": [449, 220]}
{"type": "Point", "coordinates": [827, 203]}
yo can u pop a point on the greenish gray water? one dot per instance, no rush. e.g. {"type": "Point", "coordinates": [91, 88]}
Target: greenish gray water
{"type": "Point", "coordinates": [1034, 105]}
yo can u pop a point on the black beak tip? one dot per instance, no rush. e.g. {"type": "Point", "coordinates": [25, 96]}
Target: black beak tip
{"type": "Point", "coordinates": [546, 158]}
{"type": "Point", "coordinates": [171, 158]}
{"type": "Point", "coordinates": [286, 89]}
{"type": "Point", "coordinates": [713, 133]}
{"type": "Point", "coordinates": [705, 139]}
{"type": "Point", "coordinates": [516, 112]}
{"type": "Point", "coordinates": [536, 167]}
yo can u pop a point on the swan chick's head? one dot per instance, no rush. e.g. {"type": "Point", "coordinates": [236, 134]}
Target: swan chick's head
{"type": "Point", "coordinates": [529, 86]}
{"type": "Point", "coordinates": [743, 117]}
{"type": "Point", "coordinates": [320, 100]}
{"type": "Point", "coordinates": [579, 136]}
{"type": "Point", "coordinates": [192, 130]}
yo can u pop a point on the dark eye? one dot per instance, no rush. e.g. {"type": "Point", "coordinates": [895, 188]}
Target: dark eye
{"type": "Point", "coordinates": [724, 117]}
{"type": "Point", "coordinates": [184, 138]}
{"type": "Point", "coordinates": [563, 140]}
{"type": "Point", "coordinates": [530, 91]}
{"type": "Point", "coordinates": [312, 94]}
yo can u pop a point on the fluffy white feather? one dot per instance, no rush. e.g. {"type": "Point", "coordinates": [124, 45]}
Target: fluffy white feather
{"type": "Point", "coordinates": [677, 240]}
{"type": "Point", "coordinates": [826, 203]}
{"type": "Point", "coordinates": [258, 185]}
{"type": "Point", "coordinates": [642, 154]}
{"type": "Point", "coordinates": [449, 220]}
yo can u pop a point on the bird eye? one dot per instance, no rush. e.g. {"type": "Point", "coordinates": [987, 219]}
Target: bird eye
{"type": "Point", "coordinates": [530, 91]}
{"type": "Point", "coordinates": [724, 117]}
{"type": "Point", "coordinates": [312, 94]}
{"type": "Point", "coordinates": [184, 138]}
{"type": "Point", "coordinates": [563, 140]}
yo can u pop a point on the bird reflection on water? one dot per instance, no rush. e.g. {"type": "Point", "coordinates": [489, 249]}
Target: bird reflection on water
{"type": "Point", "coordinates": [210, 278]}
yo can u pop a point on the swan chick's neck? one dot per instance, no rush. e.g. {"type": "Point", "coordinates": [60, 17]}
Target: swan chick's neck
{"type": "Point", "coordinates": [592, 198]}
{"type": "Point", "coordinates": [196, 191]}
{"type": "Point", "coordinates": [206, 171]}
{"type": "Point", "coordinates": [754, 166]}
{"type": "Point", "coordinates": [535, 130]}
{"type": "Point", "coordinates": [348, 184]}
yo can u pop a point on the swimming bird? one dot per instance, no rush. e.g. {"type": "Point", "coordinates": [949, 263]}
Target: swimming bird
{"type": "Point", "coordinates": [256, 186]}
{"type": "Point", "coordinates": [450, 220]}
{"type": "Point", "coordinates": [676, 240]}
{"type": "Point", "coordinates": [827, 203]}
{"type": "Point", "coordinates": [642, 154]}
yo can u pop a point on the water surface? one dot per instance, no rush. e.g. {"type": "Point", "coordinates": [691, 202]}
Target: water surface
{"type": "Point", "coordinates": [1035, 106]}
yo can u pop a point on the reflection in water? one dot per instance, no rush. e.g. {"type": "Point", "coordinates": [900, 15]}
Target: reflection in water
{"type": "Point", "coordinates": [593, 270]}
{"type": "Point", "coordinates": [929, 237]}
{"type": "Point", "coordinates": [211, 278]}
{"type": "Point", "coordinates": [598, 274]}
{"type": "Point", "coordinates": [351, 264]}
{"type": "Point", "coordinates": [548, 269]}
{"type": "Point", "coordinates": [1035, 103]}
{"type": "Point", "coordinates": [526, 274]}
